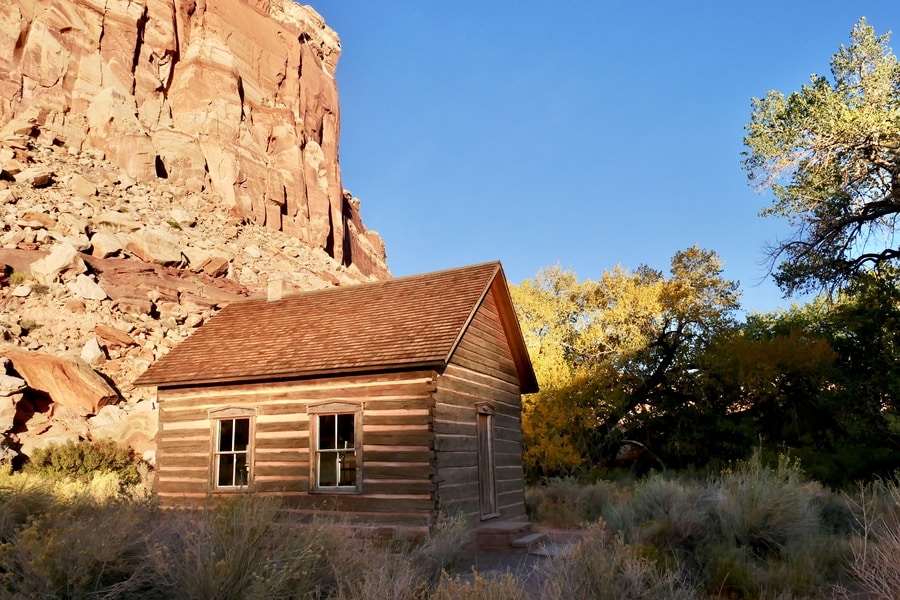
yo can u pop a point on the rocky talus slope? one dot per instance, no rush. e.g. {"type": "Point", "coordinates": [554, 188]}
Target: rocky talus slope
{"type": "Point", "coordinates": [237, 96]}
{"type": "Point", "coordinates": [100, 275]}
{"type": "Point", "coordinates": [158, 159]}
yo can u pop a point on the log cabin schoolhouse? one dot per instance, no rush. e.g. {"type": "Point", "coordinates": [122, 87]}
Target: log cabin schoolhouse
{"type": "Point", "coordinates": [389, 402]}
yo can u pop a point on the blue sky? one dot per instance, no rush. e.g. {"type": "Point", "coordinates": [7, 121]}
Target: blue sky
{"type": "Point", "coordinates": [588, 134]}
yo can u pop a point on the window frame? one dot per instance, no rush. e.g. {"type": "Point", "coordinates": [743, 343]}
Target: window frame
{"type": "Point", "coordinates": [217, 417]}
{"type": "Point", "coordinates": [315, 411]}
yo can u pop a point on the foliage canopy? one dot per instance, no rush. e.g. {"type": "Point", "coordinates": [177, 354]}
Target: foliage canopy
{"type": "Point", "coordinates": [830, 154]}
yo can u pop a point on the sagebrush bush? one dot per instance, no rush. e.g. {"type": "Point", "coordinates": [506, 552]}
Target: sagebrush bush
{"type": "Point", "coordinates": [81, 549]}
{"type": "Point", "coordinates": [81, 460]}
{"type": "Point", "coordinates": [503, 587]}
{"type": "Point", "coordinates": [876, 547]}
{"type": "Point", "coordinates": [237, 549]}
{"type": "Point", "coordinates": [747, 531]}
{"type": "Point", "coordinates": [604, 566]}
{"type": "Point", "coordinates": [407, 569]}
{"type": "Point", "coordinates": [564, 502]}
{"type": "Point", "coordinates": [20, 498]}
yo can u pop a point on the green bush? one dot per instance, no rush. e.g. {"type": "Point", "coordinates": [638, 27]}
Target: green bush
{"type": "Point", "coordinates": [564, 502]}
{"type": "Point", "coordinates": [81, 460]}
{"type": "Point", "coordinates": [748, 531]}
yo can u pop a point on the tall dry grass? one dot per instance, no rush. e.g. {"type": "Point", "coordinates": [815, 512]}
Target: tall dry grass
{"type": "Point", "coordinates": [876, 546]}
{"type": "Point", "coordinates": [752, 531]}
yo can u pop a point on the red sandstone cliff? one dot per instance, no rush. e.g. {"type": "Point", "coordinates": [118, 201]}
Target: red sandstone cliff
{"type": "Point", "coordinates": [234, 95]}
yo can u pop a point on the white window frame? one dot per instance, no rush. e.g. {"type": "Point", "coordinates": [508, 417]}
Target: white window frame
{"type": "Point", "coordinates": [217, 418]}
{"type": "Point", "coordinates": [325, 409]}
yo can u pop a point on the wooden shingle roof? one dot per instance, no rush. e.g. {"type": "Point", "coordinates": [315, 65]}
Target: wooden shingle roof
{"type": "Point", "coordinates": [407, 322]}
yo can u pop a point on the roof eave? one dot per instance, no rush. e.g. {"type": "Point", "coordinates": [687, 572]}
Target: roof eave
{"type": "Point", "coordinates": [286, 375]}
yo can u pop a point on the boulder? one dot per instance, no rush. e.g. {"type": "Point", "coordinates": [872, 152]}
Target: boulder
{"type": "Point", "coordinates": [35, 177]}
{"type": "Point", "coordinates": [68, 380]}
{"type": "Point", "coordinates": [8, 411]}
{"type": "Point", "coordinates": [10, 385]}
{"type": "Point", "coordinates": [105, 244]}
{"type": "Point", "coordinates": [136, 429]}
{"type": "Point", "coordinates": [92, 353]}
{"type": "Point", "coordinates": [82, 186]}
{"type": "Point", "coordinates": [156, 246]}
{"type": "Point", "coordinates": [85, 288]}
{"type": "Point", "coordinates": [63, 258]}
{"type": "Point", "coordinates": [113, 337]}
{"type": "Point", "coordinates": [115, 222]}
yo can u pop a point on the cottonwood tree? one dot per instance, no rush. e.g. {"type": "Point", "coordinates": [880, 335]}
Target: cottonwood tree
{"type": "Point", "coordinates": [608, 353]}
{"type": "Point", "coordinates": [830, 154]}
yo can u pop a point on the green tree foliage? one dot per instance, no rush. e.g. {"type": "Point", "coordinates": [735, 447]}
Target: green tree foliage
{"type": "Point", "coordinates": [610, 353]}
{"type": "Point", "coordinates": [830, 154]}
{"type": "Point", "coordinates": [658, 363]}
{"type": "Point", "coordinates": [834, 409]}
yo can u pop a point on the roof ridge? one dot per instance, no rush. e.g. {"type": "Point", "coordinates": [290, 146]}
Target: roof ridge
{"type": "Point", "coordinates": [371, 284]}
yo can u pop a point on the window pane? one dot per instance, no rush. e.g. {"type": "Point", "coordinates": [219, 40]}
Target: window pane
{"type": "Point", "coordinates": [226, 470]}
{"type": "Point", "coordinates": [328, 469]}
{"type": "Point", "coordinates": [241, 435]}
{"type": "Point", "coordinates": [241, 469]}
{"type": "Point", "coordinates": [326, 432]}
{"type": "Point", "coordinates": [226, 435]}
{"type": "Point", "coordinates": [348, 468]}
{"type": "Point", "coordinates": [345, 431]}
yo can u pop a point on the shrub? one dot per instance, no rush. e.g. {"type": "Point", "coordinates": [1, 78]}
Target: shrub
{"type": "Point", "coordinates": [20, 498]}
{"type": "Point", "coordinates": [374, 569]}
{"type": "Point", "coordinates": [80, 550]}
{"type": "Point", "coordinates": [503, 587]}
{"type": "Point", "coordinates": [606, 567]}
{"type": "Point", "coordinates": [81, 460]}
{"type": "Point", "coordinates": [877, 546]}
{"type": "Point", "coordinates": [235, 550]}
{"type": "Point", "coordinates": [563, 502]}
{"type": "Point", "coordinates": [748, 531]}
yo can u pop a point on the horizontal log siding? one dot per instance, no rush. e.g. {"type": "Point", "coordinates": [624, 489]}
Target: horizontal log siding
{"type": "Point", "coordinates": [397, 455]}
{"type": "Point", "coordinates": [481, 370]}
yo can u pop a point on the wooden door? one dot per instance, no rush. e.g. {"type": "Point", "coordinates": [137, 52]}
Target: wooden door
{"type": "Point", "coordinates": [487, 485]}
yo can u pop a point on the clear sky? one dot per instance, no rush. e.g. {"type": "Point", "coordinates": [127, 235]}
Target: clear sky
{"type": "Point", "coordinates": [588, 134]}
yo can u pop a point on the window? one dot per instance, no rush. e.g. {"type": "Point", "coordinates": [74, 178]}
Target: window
{"type": "Point", "coordinates": [336, 447]}
{"type": "Point", "coordinates": [232, 454]}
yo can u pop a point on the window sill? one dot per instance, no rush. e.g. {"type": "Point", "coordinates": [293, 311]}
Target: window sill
{"type": "Point", "coordinates": [236, 489]}
{"type": "Point", "coordinates": [335, 491]}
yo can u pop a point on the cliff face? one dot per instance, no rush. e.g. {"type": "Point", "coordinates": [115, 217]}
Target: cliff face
{"type": "Point", "coordinates": [236, 96]}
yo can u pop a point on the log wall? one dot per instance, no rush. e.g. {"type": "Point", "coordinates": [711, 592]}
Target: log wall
{"type": "Point", "coordinates": [397, 444]}
{"type": "Point", "coordinates": [481, 371]}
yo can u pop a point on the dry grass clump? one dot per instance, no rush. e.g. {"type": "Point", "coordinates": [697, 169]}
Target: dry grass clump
{"type": "Point", "coordinates": [754, 530]}
{"type": "Point", "coordinates": [604, 566]}
{"type": "Point", "coordinates": [567, 503]}
{"type": "Point", "coordinates": [368, 568]}
{"type": "Point", "coordinates": [876, 547]}
{"type": "Point", "coordinates": [76, 539]}
{"type": "Point", "coordinates": [503, 587]}
{"type": "Point", "coordinates": [237, 549]}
